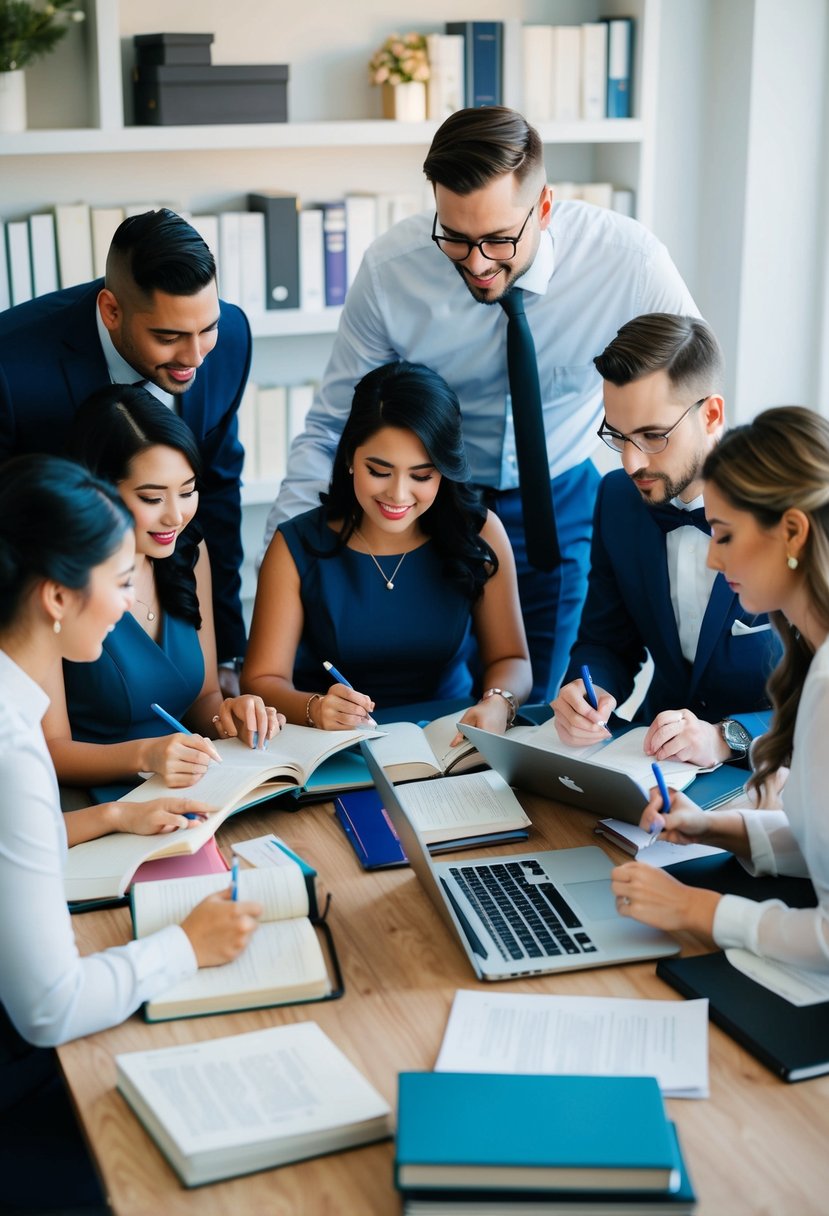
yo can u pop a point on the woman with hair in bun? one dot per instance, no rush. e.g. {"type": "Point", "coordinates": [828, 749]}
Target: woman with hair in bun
{"type": "Point", "coordinates": [767, 502]}
{"type": "Point", "coordinates": [67, 551]}
{"type": "Point", "coordinates": [100, 727]}
{"type": "Point", "coordinates": [390, 576]}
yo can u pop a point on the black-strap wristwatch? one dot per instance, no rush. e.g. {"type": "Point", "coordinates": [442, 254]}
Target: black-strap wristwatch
{"type": "Point", "coordinates": [736, 736]}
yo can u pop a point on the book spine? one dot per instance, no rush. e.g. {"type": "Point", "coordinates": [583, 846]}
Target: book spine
{"type": "Point", "coordinates": [20, 268]}
{"type": "Point", "coordinates": [311, 261]}
{"type": "Point", "coordinates": [44, 252]}
{"type": "Point", "coordinates": [246, 421]}
{"type": "Point", "coordinates": [103, 222]}
{"type": "Point", "coordinates": [538, 72]}
{"type": "Point", "coordinates": [5, 292]}
{"type": "Point", "coordinates": [74, 240]}
{"type": "Point", "coordinates": [300, 400]}
{"type": "Point", "coordinates": [482, 60]}
{"type": "Point", "coordinates": [272, 432]}
{"type": "Point", "coordinates": [230, 246]}
{"type": "Point", "coordinates": [336, 263]}
{"type": "Point", "coordinates": [594, 71]}
{"type": "Point", "coordinates": [252, 261]}
{"type": "Point", "coordinates": [207, 227]}
{"type": "Point", "coordinates": [566, 73]}
{"type": "Point", "coordinates": [619, 61]}
{"type": "Point", "coordinates": [281, 247]}
{"type": "Point", "coordinates": [512, 64]}
{"type": "Point", "coordinates": [360, 230]}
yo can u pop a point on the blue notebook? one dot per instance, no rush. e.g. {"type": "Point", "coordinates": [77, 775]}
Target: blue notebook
{"type": "Point", "coordinates": [363, 818]}
{"type": "Point", "coordinates": [500, 1131]}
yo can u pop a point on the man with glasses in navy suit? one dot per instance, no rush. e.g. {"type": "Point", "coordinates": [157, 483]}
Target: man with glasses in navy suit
{"type": "Point", "coordinates": [650, 590]}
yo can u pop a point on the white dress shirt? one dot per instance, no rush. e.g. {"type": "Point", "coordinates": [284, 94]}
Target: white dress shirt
{"type": "Point", "coordinates": [48, 991]}
{"type": "Point", "coordinates": [793, 841]}
{"type": "Point", "coordinates": [121, 372]}
{"type": "Point", "coordinates": [594, 270]}
{"type": "Point", "coordinates": [690, 579]}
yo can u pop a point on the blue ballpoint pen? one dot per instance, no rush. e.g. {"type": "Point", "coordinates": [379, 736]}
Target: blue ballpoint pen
{"type": "Point", "coordinates": [666, 799]}
{"type": "Point", "coordinates": [182, 729]}
{"type": "Point", "coordinates": [234, 879]}
{"type": "Point", "coordinates": [340, 678]}
{"type": "Point", "coordinates": [589, 690]}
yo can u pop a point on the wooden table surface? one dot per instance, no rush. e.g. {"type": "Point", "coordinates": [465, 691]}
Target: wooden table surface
{"type": "Point", "coordinates": [756, 1146]}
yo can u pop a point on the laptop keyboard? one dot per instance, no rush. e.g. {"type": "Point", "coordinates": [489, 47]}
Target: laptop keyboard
{"type": "Point", "coordinates": [527, 919]}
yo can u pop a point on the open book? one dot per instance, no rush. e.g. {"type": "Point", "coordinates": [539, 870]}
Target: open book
{"type": "Point", "coordinates": [283, 962]}
{"type": "Point", "coordinates": [409, 752]}
{"type": "Point", "coordinates": [103, 868]}
{"type": "Point", "coordinates": [251, 1101]}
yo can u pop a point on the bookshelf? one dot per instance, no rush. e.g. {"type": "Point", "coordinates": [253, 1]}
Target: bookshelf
{"type": "Point", "coordinates": [210, 168]}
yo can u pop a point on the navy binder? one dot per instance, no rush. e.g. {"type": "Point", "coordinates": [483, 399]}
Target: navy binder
{"type": "Point", "coordinates": [482, 60]}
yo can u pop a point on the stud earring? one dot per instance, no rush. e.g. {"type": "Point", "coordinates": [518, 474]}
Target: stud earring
{"type": "Point", "coordinates": [56, 626]}
{"type": "Point", "coordinates": [351, 470]}
{"type": "Point", "coordinates": [792, 562]}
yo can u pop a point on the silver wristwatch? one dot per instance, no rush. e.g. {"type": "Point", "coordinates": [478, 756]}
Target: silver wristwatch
{"type": "Point", "coordinates": [508, 697]}
{"type": "Point", "coordinates": [736, 737]}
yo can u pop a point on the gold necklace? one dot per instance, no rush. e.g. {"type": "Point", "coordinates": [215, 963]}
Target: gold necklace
{"type": "Point", "coordinates": [150, 613]}
{"type": "Point", "coordinates": [389, 581]}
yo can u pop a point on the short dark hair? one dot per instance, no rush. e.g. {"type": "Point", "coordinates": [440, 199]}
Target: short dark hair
{"type": "Point", "coordinates": [110, 428]}
{"type": "Point", "coordinates": [161, 252]}
{"type": "Point", "coordinates": [684, 347]}
{"type": "Point", "coordinates": [415, 398]}
{"type": "Point", "coordinates": [473, 147]}
{"type": "Point", "coordinates": [57, 522]}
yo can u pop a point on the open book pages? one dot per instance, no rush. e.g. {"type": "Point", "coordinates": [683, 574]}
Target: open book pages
{"type": "Point", "coordinates": [624, 753]}
{"type": "Point", "coordinates": [452, 808]}
{"type": "Point", "coordinates": [283, 961]}
{"type": "Point", "coordinates": [252, 1101]}
{"type": "Point", "coordinates": [103, 868]}
{"type": "Point", "coordinates": [641, 845]}
{"type": "Point", "coordinates": [409, 752]}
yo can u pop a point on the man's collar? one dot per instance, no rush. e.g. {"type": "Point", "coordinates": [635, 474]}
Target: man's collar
{"type": "Point", "coordinates": [121, 372]}
{"type": "Point", "coordinates": [537, 277]}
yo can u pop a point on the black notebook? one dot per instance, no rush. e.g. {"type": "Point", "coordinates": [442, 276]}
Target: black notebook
{"type": "Point", "coordinates": [791, 1040]}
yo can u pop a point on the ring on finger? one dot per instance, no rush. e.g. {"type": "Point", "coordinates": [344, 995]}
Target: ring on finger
{"type": "Point", "coordinates": [626, 900]}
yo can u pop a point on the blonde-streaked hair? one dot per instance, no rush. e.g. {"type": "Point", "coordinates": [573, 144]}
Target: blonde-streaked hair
{"type": "Point", "coordinates": [778, 462]}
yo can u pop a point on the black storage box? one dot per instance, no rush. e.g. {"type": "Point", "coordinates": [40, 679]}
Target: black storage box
{"type": "Point", "coordinates": [177, 50]}
{"type": "Point", "coordinates": [180, 96]}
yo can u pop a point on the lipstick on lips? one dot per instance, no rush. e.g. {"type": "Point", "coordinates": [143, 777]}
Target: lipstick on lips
{"type": "Point", "coordinates": [164, 538]}
{"type": "Point", "coordinates": [389, 511]}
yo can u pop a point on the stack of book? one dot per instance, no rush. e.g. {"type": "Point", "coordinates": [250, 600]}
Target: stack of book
{"type": "Point", "coordinates": [506, 1144]}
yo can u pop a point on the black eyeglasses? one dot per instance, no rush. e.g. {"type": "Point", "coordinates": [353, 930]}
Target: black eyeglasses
{"type": "Point", "coordinates": [649, 442]}
{"type": "Point", "coordinates": [496, 248]}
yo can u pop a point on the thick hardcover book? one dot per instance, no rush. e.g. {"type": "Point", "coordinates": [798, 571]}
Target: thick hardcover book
{"type": "Point", "coordinates": [283, 963]}
{"type": "Point", "coordinates": [567, 1203]}
{"type": "Point", "coordinates": [482, 60]}
{"type": "Point", "coordinates": [281, 246]}
{"type": "Point", "coordinates": [334, 249]}
{"type": "Point", "coordinates": [791, 1040]}
{"type": "Point", "coordinates": [505, 1131]}
{"type": "Point", "coordinates": [252, 1101]}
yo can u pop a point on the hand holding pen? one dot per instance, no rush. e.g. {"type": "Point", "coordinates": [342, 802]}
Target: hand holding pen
{"type": "Point", "coordinates": [180, 759]}
{"type": "Point", "coordinates": [581, 711]}
{"type": "Point", "coordinates": [654, 828]}
{"type": "Point", "coordinates": [342, 707]}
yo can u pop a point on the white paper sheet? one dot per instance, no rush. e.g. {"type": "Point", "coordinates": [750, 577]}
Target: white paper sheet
{"type": "Point", "coordinates": [795, 984]}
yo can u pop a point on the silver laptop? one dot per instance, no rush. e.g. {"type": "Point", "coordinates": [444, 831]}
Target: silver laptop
{"type": "Point", "coordinates": [604, 791]}
{"type": "Point", "coordinates": [525, 913]}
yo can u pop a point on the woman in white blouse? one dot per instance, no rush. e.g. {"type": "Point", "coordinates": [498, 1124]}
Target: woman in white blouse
{"type": "Point", "coordinates": [767, 501]}
{"type": "Point", "coordinates": [66, 559]}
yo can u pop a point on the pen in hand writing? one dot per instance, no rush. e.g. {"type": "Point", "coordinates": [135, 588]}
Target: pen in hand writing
{"type": "Point", "coordinates": [234, 880]}
{"type": "Point", "coordinates": [666, 801]}
{"type": "Point", "coordinates": [589, 691]}
{"type": "Point", "coordinates": [182, 730]}
{"type": "Point", "coordinates": [340, 678]}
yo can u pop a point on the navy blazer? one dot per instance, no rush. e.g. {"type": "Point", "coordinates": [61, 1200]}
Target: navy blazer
{"type": "Point", "coordinates": [51, 360]}
{"type": "Point", "coordinates": [628, 611]}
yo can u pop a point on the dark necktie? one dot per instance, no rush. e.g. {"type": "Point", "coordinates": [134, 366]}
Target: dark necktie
{"type": "Point", "coordinates": [668, 517]}
{"type": "Point", "coordinates": [530, 442]}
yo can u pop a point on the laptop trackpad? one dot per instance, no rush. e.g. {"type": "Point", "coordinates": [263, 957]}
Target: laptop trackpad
{"type": "Point", "coordinates": [596, 898]}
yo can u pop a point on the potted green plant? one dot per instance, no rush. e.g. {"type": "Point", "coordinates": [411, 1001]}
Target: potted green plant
{"type": "Point", "coordinates": [27, 31]}
{"type": "Point", "coordinates": [401, 66]}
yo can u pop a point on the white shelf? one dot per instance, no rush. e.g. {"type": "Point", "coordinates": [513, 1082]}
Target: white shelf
{"type": "Point", "coordinates": [365, 133]}
{"type": "Point", "coordinates": [291, 322]}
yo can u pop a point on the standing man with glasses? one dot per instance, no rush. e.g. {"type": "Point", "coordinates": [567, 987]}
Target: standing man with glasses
{"type": "Point", "coordinates": [650, 587]}
{"type": "Point", "coordinates": [565, 278]}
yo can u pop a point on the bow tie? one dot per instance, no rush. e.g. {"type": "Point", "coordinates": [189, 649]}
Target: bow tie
{"type": "Point", "coordinates": [668, 517]}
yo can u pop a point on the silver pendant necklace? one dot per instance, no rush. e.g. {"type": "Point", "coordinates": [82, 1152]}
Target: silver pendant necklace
{"type": "Point", "coordinates": [150, 613]}
{"type": "Point", "coordinates": [389, 581]}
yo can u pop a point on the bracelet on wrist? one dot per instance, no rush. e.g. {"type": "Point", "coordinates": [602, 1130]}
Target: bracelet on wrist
{"type": "Point", "coordinates": [315, 696]}
{"type": "Point", "coordinates": [512, 703]}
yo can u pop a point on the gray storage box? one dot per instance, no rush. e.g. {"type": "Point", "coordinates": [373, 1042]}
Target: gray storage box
{"type": "Point", "coordinates": [179, 96]}
{"type": "Point", "coordinates": [177, 50]}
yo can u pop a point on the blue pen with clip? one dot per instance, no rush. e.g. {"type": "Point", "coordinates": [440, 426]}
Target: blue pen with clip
{"type": "Point", "coordinates": [340, 678]}
{"type": "Point", "coordinates": [666, 799]}
{"type": "Point", "coordinates": [589, 690]}
{"type": "Point", "coordinates": [182, 729]}
{"type": "Point", "coordinates": [234, 880]}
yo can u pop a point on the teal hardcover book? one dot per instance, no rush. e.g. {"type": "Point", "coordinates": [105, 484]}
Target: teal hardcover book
{"type": "Point", "coordinates": [541, 1133]}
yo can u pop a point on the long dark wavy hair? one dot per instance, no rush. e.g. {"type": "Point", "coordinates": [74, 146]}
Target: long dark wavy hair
{"type": "Point", "coordinates": [780, 461]}
{"type": "Point", "coordinates": [414, 398]}
{"type": "Point", "coordinates": [109, 430]}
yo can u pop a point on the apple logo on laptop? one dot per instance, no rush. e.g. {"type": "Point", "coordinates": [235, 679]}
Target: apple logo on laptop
{"type": "Point", "coordinates": [571, 785]}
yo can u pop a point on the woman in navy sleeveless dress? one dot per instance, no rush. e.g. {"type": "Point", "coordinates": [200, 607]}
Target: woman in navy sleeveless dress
{"type": "Point", "coordinates": [100, 729]}
{"type": "Point", "coordinates": [390, 576]}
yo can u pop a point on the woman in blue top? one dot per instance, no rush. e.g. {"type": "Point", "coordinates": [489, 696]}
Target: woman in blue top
{"type": "Point", "coordinates": [388, 577]}
{"type": "Point", "coordinates": [100, 728]}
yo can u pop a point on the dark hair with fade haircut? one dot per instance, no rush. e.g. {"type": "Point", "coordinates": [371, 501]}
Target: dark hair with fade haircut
{"type": "Point", "coordinates": [161, 252]}
{"type": "Point", "coordinates": [412, 397]}
{"type": "Point", "coordinates": [684, 347]}
{"type": "Point", "coordinates": [473, 147]}
{"type": "Point", "coordinates": [110, 428]}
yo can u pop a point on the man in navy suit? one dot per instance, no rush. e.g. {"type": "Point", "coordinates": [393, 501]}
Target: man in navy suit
{"type": "Point", "coordinates": [650, 588]}
{"type": "Point", "coordinates": [154, 319]}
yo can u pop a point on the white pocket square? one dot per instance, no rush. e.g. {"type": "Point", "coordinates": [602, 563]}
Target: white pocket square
{"type": "Point", "coordinates": [739, 629]}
